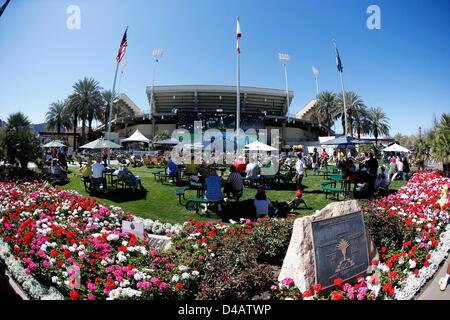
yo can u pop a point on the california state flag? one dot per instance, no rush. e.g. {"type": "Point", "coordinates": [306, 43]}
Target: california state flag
{"type": "Point", "coordinates": [238, 36]}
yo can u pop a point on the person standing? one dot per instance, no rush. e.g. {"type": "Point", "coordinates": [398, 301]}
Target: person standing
{"type": "Point", "coordinates": [300, 168]}
{"type": "Point", "coordinates": [105, 156]}
{"type": "Point", "coordinates": [315, 162]}
{"type": "Point", "coordinates": [372, 168]}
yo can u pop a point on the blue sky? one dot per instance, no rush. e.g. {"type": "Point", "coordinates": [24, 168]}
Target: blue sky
{"type": "Point", "coordinates": [403, 68]}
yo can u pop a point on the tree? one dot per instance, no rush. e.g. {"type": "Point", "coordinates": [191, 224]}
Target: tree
{"type": "Point", "coordinates": [57, 117]}
{"type": "Point", "coordinates": [88, 100]}
{"type": "Point", "coordinates": [361, 120]}
{"type": "Point", "coordinates": [354, 104]}
{"type": "Point", "coordinates": [378, 123]}
{"type": "Point", "coordinates": [326, 104]}
{"type": "Point", "coordinates": [20, 142]}
{"type": "Point", "coordinates": [73, 112]}
{"type": "Point", "coordinates": [440, 144]}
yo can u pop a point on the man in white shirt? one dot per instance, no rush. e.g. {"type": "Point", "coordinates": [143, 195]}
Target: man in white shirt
{"type": "Point", "coordinates": [300, 168]}
{"type": "Point", "coordinates": [97, 174]}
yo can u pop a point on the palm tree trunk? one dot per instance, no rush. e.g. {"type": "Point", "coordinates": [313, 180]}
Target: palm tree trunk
{"type": "Point", "coordinates": [83, 129]}
{"type": "Point", "coordinates": [75, 123]}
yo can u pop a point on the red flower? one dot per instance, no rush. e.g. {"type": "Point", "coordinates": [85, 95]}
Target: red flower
{"type": "Point", "coordinates": [317, 287]}
{"type": "Point", "coordinates": [307, 294]}
{"type": "Point", "coordinates": [383, 249]}
{"type": "Point", "coordinates": [336, 295]}
{"type": "Point", "coordinates": [338, 282]}
{"type": "Point", "coordinates": [374, 262]}
{"type": "Point", "coordinates": [179, 286]}
{"type": "Point", "coordinates": [74, 295]}
{"type": "Point", "coordinates": [54, 253]}
{"type": "Point", "coordinates": [426, 263]}
{"type": "Point", "coordinates": [393, 275]}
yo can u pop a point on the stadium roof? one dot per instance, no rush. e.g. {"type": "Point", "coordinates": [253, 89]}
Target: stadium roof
{"type": "Point", "coordinates": [210, 98]}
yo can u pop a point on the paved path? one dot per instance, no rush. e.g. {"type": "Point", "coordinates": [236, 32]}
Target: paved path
{"type": "Point", "coordinates": [432, 291]}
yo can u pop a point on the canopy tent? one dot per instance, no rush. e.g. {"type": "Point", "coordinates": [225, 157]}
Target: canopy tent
{"type": "Point", "coordinates": [345, 140]}
{"type": "Point", "coordinates": [259, 146]}
{"type": "Point", "coordinates": [170, 141]}
{"type": "Point", "coordinates": [396, 148]}
{"type": "Point", "coordinates": [54, 144]}
{"type": "Point", "coordinates": [137, 136]}
{"type": "Point", "coordinates": [101, 144]}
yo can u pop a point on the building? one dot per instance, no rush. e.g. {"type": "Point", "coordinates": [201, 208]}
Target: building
{"type": "Point", "coordinates": [178, 106]}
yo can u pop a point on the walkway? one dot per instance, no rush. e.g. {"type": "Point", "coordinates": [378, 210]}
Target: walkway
{"type": "Point", "coordinates": [431, 291]}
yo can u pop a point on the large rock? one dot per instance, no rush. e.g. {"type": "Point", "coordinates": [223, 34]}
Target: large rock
{"type": "Point", "coordinates": [299, 263]}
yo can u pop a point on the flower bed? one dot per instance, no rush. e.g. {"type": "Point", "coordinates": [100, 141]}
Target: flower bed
{"type": "Point", "coordinates": [48, 235]}
{"type": "Point", "coordinates": [409, 229]}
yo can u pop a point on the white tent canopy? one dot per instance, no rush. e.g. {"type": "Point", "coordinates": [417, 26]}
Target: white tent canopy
{"type": "Point", "coordinates": [137, 136]}
{"type": "Point", "coordinates": [259, 146]}
{"type": "Point", "coordinates": [100, 144]}
{"type": "Point", "coordinates": [396, 148]}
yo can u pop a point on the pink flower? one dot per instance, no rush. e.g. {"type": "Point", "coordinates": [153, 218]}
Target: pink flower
{"type": "Point", "coordinates": [288, 282]}
{"type": "Point", "coordinates": [163, 286]}
{"type": "Point", "coordinates": [155, 280]}
{"type": "Point", "coordinates": [91, 286]}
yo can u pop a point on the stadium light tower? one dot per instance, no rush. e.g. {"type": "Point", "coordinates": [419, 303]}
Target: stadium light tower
{"type": "Point", "coordinates": [157, 53]}
{"type": "Point", "coordinates": [284, 58]}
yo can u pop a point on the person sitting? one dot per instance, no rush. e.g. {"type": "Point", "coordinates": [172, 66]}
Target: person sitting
{"type": "Point", "coordinates": [282, 209]}
{"type": "Point", "coordinates": [56, 169]}
{"type": "Point", "coordinates": [97, 174]}
{"type": "Point", "coordinates": [382, 180]}
{"type": "Point", "coordinates": [86, 173]}
{"type": "Point", "coordinates": [129, 178]}
{"type": "Point", "coordinates": [213, 189]}
{"type": "Point", "coordinates": [262, 203]}
{"type": "Point", "coordinates": [172, 169]}
{"type": "Point", "coordinates": [240, 165]}
{"type": "Point", "coordinates": [235, 184]}
{"type": "Point", "coordinates": [252, 171]}
{"type": "Point", "coordinates": [48, 158]}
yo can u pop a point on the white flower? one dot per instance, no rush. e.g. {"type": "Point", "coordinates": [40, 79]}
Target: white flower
{"type": "Point", "coordinates": [195, 273]}
{"type": "Point", "coordinates": [185, 275]}
{"type": "Point", "coordinates": [175, 278]}
{"type": "Point", "coordinates": [183, 268]}
{"type": "Point", "coordinates": [412, 264]}
{"type": "Point", "coordinates": [112, 237]}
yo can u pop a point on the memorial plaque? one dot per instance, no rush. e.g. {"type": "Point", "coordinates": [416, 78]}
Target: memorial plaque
{"type": "Point", "coordinates": [340, 248]}
{"type": "Point", "coordinates": [156, 242]}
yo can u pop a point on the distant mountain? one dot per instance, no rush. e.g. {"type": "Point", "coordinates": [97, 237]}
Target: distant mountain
{"type": "Point", "coordinates": [40, 127]}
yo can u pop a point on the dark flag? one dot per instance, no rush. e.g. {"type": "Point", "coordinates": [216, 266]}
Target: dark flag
{"type": "Point", "coordinates": [123, 47]}
{"type": "Point", "coordinates": [338, 61]}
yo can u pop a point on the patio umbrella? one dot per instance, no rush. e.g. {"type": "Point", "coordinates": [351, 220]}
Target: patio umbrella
{"type": "Point", "coordinates": [396, 148]}
{"type": "Point", "coordinates": [259, 146]}
{"type": "Point", "coordinates": [170, 141]}
{"type": "Point", "coordinates": [345, 140]}
{"type": "Point", "coordinates": [54, 144]}
{"type": "Point", "coordinates": [100, 144]}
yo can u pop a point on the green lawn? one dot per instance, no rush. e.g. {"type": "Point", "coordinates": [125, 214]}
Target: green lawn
{"type": "Point", "coordinates": [160, 202]}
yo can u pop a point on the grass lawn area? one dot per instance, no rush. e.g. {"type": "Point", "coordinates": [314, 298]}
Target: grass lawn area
{"type": "Point", "coordinates": [159, 201]}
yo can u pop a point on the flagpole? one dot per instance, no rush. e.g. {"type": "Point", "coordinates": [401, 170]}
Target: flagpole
{"type": "Point", "coordinates": [111, 107]}
{"type": "Point", "coordinates": [238, 97]}
{"type": "Point", "coordinates": [343, 91]}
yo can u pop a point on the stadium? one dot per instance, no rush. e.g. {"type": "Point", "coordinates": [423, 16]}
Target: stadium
{"type": "Point", "coordinates": [178, 106]}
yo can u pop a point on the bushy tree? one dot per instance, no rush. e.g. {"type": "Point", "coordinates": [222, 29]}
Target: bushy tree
{"type": "Point", "coordinates": [19, 142]}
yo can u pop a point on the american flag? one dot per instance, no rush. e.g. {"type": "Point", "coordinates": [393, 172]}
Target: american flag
{"type": "Point", "coordinates": [238, 36]}
{"type": "Point", "coordinates": [123, 47]}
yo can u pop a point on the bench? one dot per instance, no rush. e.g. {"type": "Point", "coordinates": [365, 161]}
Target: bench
{"type": "Point", "coordinates": [194, 203]}
{"type": "Point", "coordinates": [180, 193]}
{"type": "Point", "coordinates": [157, 174]}
{"type": "Point", "coordinates": [330, 186]}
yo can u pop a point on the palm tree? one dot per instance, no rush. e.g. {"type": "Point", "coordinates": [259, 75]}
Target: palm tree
{"type": "Point", "coordinates": [353, 103]}
{"type": "Point", "coordinates": [56, 117]}
{"type": "Point", "coordinates": [440, 145]}
{"type": "Point", "coordinates": [73, 112]}
{"type": "Point", "coordinates": [88, 100]}
{"type": "Point", "coordinates": [326, 104]}
{"type": "Point", "coordinates": [361, 120]}
{"type": "Point", "coordinates": [378, 123]}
